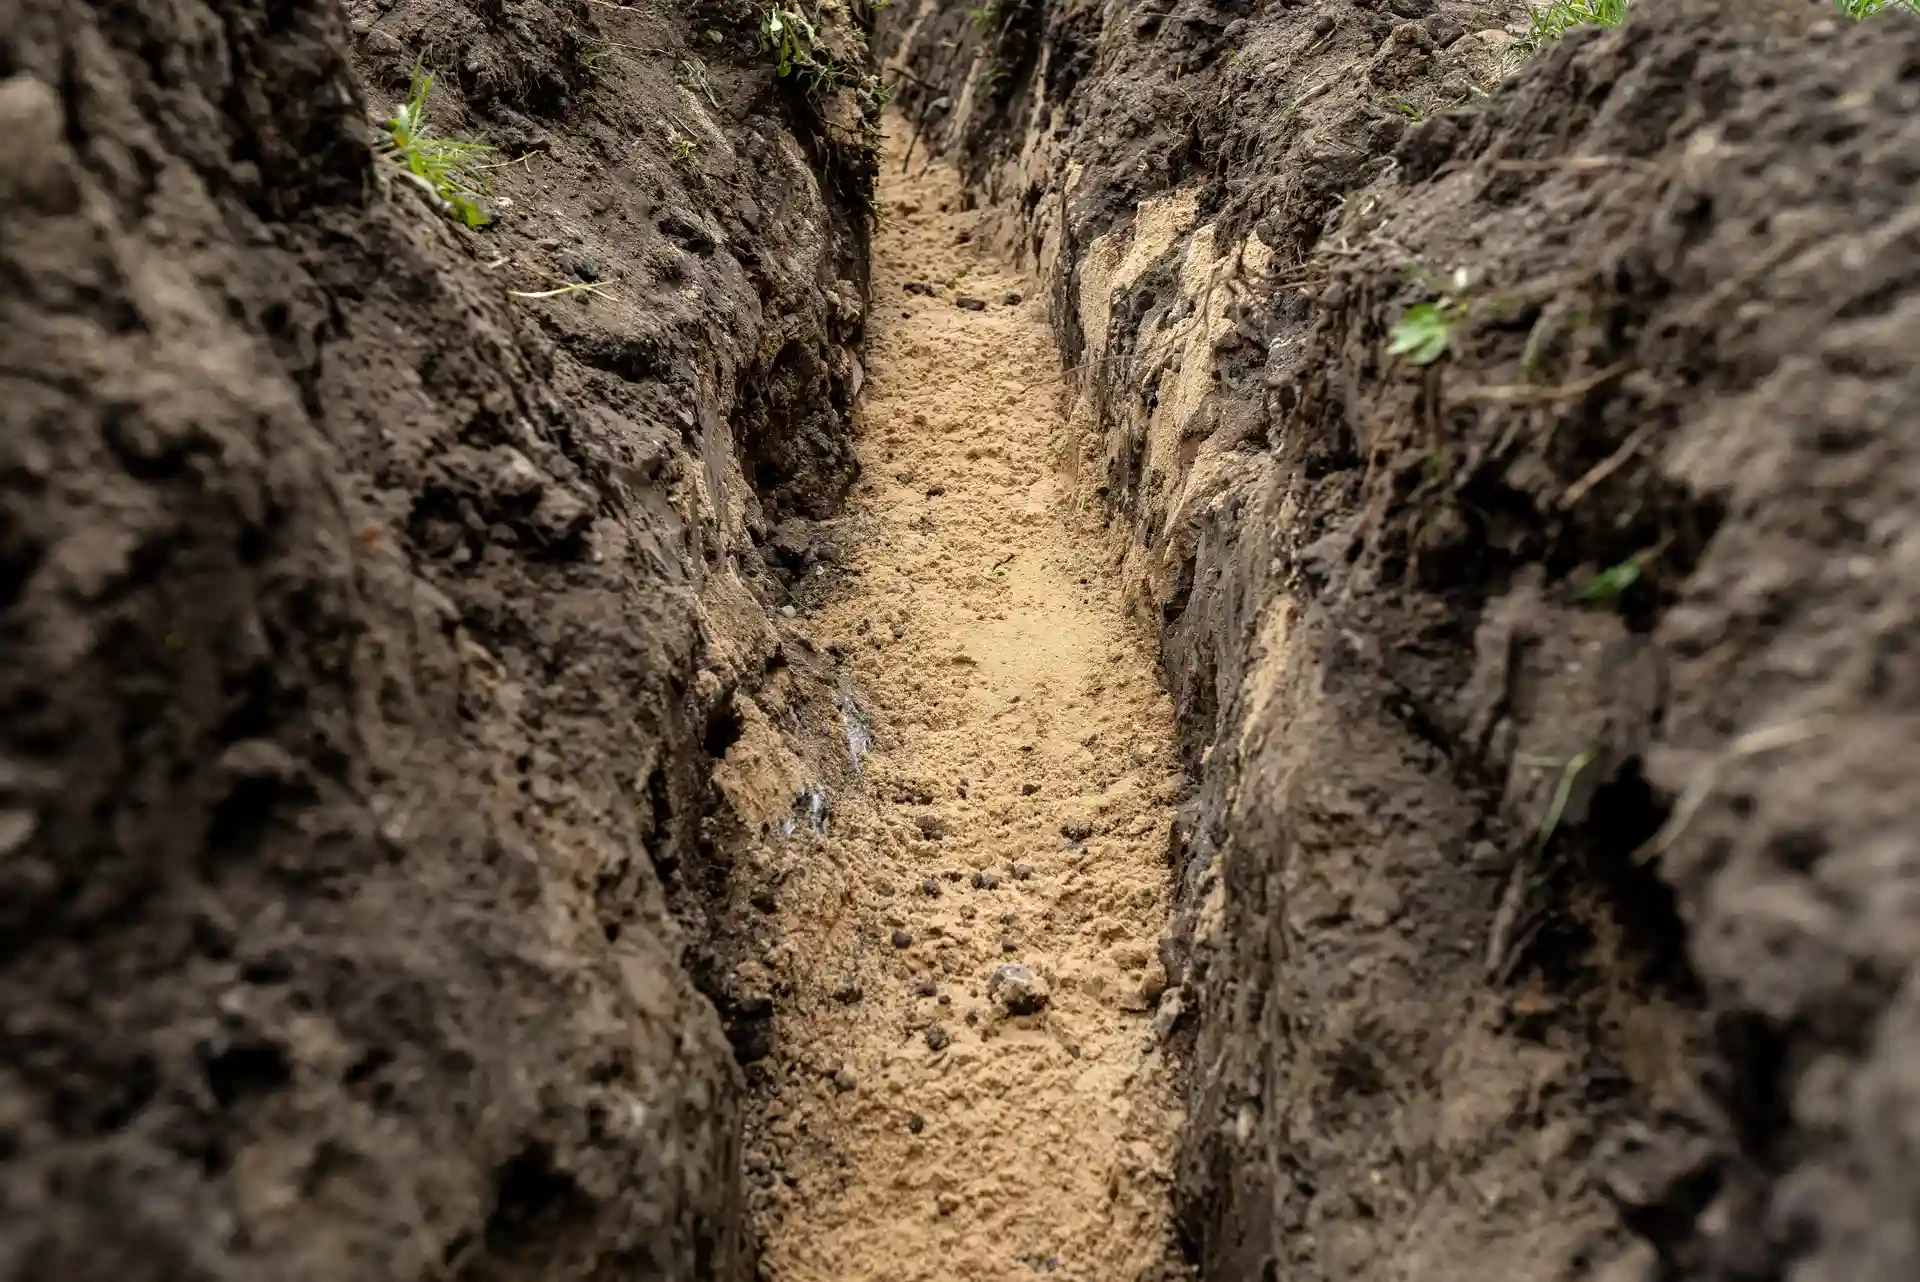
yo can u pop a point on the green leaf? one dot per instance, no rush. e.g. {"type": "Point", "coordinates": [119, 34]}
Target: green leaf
{"type": "Point", "coordinates": [1423, 334]}
{"type": "Point", "coordinates": [1609, 585]}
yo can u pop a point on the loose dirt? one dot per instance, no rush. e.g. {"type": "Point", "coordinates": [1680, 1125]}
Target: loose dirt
{"type": "Point", "coordinates": [1014, 812]}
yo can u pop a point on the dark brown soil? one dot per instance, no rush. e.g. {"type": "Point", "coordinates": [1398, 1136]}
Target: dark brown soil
{"type": "Point", "coordinates": [367, 632]}
{"type": "Point", "coordinates": [1532, 930]}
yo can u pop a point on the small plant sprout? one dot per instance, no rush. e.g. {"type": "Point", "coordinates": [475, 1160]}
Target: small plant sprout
{"type": "Point", "coordinates": [1859, 9]}
{"type": "Point", "coordinates": [788, 35]}
{"type": "Point", "coordinates": [1562, 795]}
{"type": "Point", "coordinates": [1604, 590]}
{"type": "Point", "coordinates": [442, 167]}
{"type": "Point", "coordinates": [1425, 333]}
{"type": "Point", "coordinates": [685, 153]}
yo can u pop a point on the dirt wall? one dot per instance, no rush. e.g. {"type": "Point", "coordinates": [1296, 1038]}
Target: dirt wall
{"type": "Point", "coordinates": [367, 632]}
{"type": "Point", "coordinates": [1549, 874]}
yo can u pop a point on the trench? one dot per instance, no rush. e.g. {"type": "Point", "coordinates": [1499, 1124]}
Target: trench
{"type": "Point", "coordinates": [973, 1084]}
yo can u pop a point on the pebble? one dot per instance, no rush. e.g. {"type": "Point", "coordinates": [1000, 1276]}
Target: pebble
{"type": "Point", "coordinates": [1076, 831]}
{"type": "Point", "coordinates": [1010, 299]}
{"type": "Point", "coordinates": [928, 988]}
{"type": "Point", "coordinates": [1022, 872]}
{"type": "Point", "coordinates": [938, 1038]}
{"type": "Point", "coordinates": [985, 880]}
{"type": "Point", "coordinates": [929, 887]}
{"type": "Point", "coordinates": [844, 1081]}
{"type": "Point", "coordinates": [970, 304]}
{"type": "Point", "coordinates": [848, 993]}
{"type": "Point", "coordinates": [1008, 946]}
{"type": "Point", "coordinates": [916, 1123]}
{"type": "Point", "coordinates": [1028, 789]}
{"type": "Point", "coordinates": [901, 939]}
{"type": "Point", "coordinates": [932, 827]}
{"type": "Point", "coordinates": [1018, 990]}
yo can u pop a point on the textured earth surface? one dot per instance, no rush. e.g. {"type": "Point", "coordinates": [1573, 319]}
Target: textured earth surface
{"type": "Point", "coordinates": [1548, 900]}
{"type": "Point", "coordinates": [454, 823]}
{"type": "Point", "coordinates": [363, 628]}
{"type": "Point", "coordinates": [971, 1078]}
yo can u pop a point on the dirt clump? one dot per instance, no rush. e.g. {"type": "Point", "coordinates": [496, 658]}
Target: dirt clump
{"type": "Point", "coordinates": [1539, 893]}
{"type": "Point", "coordinates": [369, 632]}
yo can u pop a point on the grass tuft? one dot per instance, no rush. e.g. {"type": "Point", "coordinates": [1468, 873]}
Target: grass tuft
{"type": "Point", "coordinates": [1860, 9]}
{"type": "Point", "coordinates": [442, 167]}
{"type": "Point", "coordinates": [1561, 16]}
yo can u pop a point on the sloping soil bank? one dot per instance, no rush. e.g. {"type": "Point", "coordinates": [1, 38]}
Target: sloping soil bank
{"type": "Point", "coordinates": [969, 1077]}
{"type": "Point", "coordinates": [366, 632]}
{"type": "Point", "coordinates": [1550, 893]}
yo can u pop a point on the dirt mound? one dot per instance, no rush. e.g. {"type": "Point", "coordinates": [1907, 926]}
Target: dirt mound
{"type": "Point", "coordinates": [368, 631]}
{"type": "Point", "coordinates": [1548, 887]}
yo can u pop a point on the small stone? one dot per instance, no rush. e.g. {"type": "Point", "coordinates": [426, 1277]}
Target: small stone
{"type": "Point", "coordinates": [787, 612]}
{"type": "Point", "coordinates": [16, 826]}
{"type": "Point", "coordinates": [969, 303]}
{"type": "Point", "coordinates": [916, 1123]}
{"type": "Point", "coordinates": [1028, 789]}
{"type": "Point", "coordinates": [1008, 946]}
{"type": "Point", "coordinates": [928, 988]}
{"type": "Point", "coordinates": [1010, 299]}
{"type": "Point", "coordinates": [848, 994]}
{"type": "Point", "coordinates": [929, 887]}
{"type": "Point", "coordinates": [932, 827]}
{"type": "Point", "coordinates": [901, 939]}
{"type": "Point", "coordinates": [1076, 831]}
{"type": "Point", "coordinates": [983, 880]}
{"type": "Point", "coordinates": [843, 1081]}
{"type": "Point", "coordinates": [938, 1038]}
{"type": "Point", "coordinates": [945, 1000]}
{"type": "Point", "coordinates": [1022, 872]}
{"type": "Point", "coordinates": [1018, 990]}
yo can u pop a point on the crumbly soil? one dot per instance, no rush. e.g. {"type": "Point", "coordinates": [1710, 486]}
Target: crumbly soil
{"type": "Point", "coordinates": [1013, 811]}
{"type": "Point", "coordinates": [363, 628]}
{"type": "Point", "coordinates": [1534, 929]}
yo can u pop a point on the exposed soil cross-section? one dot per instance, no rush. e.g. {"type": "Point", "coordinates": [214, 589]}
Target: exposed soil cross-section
{"type": "Point", "coordinates": [975, 1084]}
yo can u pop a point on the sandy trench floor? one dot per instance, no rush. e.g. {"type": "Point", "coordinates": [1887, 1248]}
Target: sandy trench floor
{"type": "Point", "coordinates": [1015, 811]}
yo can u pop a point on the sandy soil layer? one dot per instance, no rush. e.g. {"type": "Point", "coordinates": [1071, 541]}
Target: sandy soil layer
{"type": "Point", "coordinates": [974, 1081]}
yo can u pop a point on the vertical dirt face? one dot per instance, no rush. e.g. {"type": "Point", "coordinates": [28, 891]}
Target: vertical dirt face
{"type": "Point", "coordinates": [353, 872]}
{"type": "Point", "coordinates": [973, 1078]}
{"type": "Point", "coordinates": [1547, 905]}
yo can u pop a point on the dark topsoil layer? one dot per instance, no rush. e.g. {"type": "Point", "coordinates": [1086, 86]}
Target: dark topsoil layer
{"type": "Point", "coordinates": [1529, 936]}
{"type": "Point", "coordinates": [365, 633]}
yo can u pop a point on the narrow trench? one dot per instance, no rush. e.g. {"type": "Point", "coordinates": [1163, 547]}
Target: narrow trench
{"type": "Point", "coordinates": [974, 1084]}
